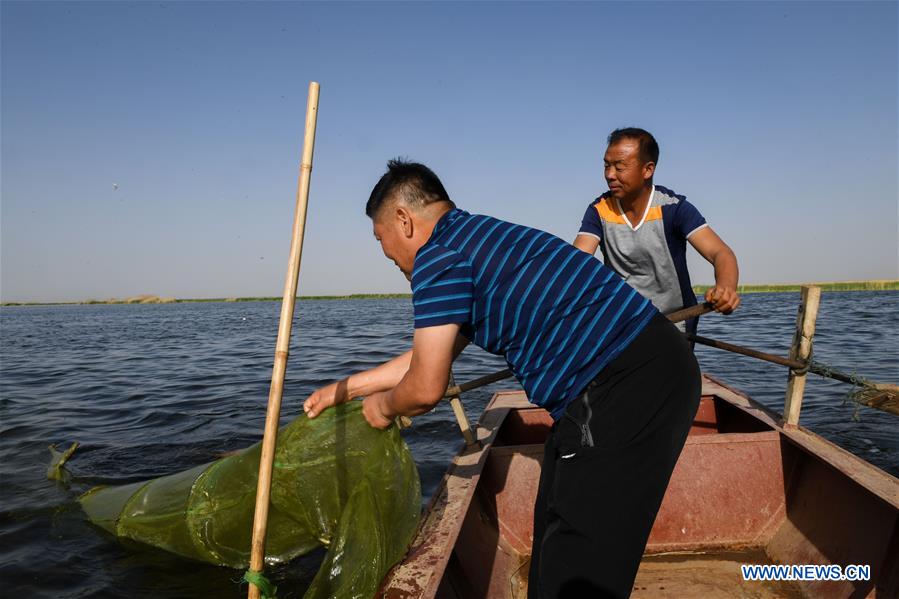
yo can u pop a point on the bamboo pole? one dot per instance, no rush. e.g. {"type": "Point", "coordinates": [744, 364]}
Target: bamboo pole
{"type": "Point", "coordinates": [282, 346]}
{"type": "Point", "coordinates": [801, 350]}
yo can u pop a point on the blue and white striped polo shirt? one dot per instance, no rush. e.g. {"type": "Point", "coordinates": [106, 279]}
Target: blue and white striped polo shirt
{"type": "Point", "coordinates": [557, 314]}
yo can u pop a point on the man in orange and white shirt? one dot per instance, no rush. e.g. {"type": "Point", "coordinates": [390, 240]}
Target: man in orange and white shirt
{"type": "Point", "coordinates": [643, 230]}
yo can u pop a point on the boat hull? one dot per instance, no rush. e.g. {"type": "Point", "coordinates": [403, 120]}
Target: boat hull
{"type": "Point", "coordinates": [746, 490]}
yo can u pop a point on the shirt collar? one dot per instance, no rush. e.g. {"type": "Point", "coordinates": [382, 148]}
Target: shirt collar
{"type": "Point", "coordinates": [445, 221]}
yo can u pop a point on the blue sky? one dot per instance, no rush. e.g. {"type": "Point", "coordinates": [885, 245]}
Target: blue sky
{"type": "Point", "coordinates": [777, 120]}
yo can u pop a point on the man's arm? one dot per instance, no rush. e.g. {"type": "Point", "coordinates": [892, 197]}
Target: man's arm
{"type": "Point", "coordinates": [586, 243]}
{"type": "Point", "coordinates": [423, 385]}
{"type": "Point", "coordinates": [381, 378]}
{"type": "Point", "coordinates": [723, 296]}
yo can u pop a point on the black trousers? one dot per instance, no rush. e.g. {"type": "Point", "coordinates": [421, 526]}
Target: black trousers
{"type": "Point", "coordinates": [607, 464]}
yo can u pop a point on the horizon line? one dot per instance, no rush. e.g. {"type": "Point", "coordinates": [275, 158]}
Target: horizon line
{"type": "Point", "coordinates": [852, 285]}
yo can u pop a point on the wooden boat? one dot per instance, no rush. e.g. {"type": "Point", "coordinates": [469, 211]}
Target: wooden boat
{"type": "Point", "coordinates": [747, 489]}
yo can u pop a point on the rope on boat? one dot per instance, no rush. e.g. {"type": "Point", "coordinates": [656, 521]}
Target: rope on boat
{"type": "Point", "coordinates": [807, 365]}
{"type": "Point", "coordinates": [864, 392]}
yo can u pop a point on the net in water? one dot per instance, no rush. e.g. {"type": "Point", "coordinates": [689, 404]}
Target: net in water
{"type": "Point", "coordinates": [336, 482]}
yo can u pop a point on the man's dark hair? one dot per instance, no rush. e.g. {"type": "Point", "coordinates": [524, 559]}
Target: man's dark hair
{"type": "Point", "coordinates": [649, 148]}
{"type": "Point", "coordinates": [413, 182]}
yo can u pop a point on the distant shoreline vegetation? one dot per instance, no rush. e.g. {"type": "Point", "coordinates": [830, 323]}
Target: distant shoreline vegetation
{"type": "Point", "coordinates": [155, 299]}
{"type": "Point", "coordinates": [877, 285]}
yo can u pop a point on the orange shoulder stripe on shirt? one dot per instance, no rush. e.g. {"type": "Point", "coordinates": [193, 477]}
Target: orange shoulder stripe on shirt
{"type": "Point", "coordinates": [609, 212]}
{"type": "Point", "coordinates": [655, 213]}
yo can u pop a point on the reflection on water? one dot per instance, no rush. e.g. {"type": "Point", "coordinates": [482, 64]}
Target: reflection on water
{"type": "Point", "coordinates": [150, 390]}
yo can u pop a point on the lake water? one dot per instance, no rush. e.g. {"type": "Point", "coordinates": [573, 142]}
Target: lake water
{"type": "Point", "coordinates": [153, 389]}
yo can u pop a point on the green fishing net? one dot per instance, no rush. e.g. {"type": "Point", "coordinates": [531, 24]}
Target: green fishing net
{"type": "Point", "coordinates": [337, 482]}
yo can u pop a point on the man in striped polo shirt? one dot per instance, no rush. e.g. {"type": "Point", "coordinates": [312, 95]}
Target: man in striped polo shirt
{"type": "Point", "coordinates": [643, 230]}
{"type": "Point", "coordinates": [618, 379]}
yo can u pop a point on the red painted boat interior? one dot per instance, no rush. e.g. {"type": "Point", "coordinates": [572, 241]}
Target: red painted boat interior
{"type": "Point", "coordinates": [740, 490]}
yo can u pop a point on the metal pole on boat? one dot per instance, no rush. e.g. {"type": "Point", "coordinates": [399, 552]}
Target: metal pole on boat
{"type": "Point", "coordinates": [801, 350]}
{"type": "Point", "coordinates": [282, 347]}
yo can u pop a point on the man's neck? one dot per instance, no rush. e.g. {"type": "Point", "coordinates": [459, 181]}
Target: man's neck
{"type": "Point", "coordinates": [636, 205]}
{"type": "Point", "coordinates": [433, 217]}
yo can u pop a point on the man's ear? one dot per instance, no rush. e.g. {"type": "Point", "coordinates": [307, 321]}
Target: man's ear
{"type": "Point", "coordinates": [404, 220]}
{"type": "Point", "coordinates": [649, 169]}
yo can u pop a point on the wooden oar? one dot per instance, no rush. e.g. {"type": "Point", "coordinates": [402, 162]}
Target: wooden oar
{"type": "Point", "coordinates": [691, 312]}
{"type": "Point", "coordinates": [882, 396]}
{"type": "Point", "coordinates": [272, 415]}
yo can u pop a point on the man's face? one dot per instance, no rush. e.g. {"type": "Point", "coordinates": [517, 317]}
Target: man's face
{"type": "Point", "coordinates": [625, 171]}
{"type": "Point", "coordinates": [389, 230]}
